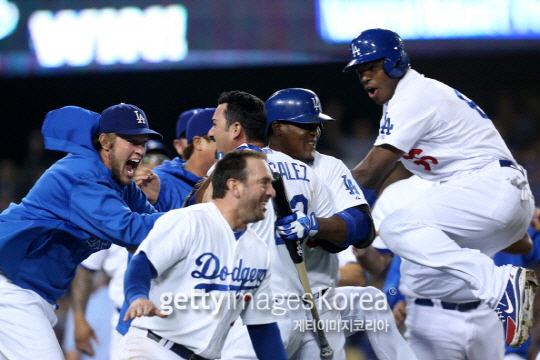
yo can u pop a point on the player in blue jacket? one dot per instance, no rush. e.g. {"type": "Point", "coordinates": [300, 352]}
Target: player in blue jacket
{"type": "Point", "coordinates": [179, 176]}
{"type": "Point", "coordinates": [80, 205]}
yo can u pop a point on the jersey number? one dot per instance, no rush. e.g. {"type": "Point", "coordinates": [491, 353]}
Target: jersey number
{"type": "Point", "coordinates": [471, 104]}
{"type": "Point", "coordinates": [424, 161]}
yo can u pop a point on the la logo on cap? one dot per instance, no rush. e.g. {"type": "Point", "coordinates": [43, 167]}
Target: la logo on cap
{"type": "Point", "coordinates": [140, 117]}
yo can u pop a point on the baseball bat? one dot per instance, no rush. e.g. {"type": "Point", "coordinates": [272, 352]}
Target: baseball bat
{"type": "Point", "coordinates": [282, 207]}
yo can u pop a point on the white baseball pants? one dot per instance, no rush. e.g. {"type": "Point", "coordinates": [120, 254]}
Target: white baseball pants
{"type": "Point", "coordinates": [26, 325]}
{"type": "Point", "coordinates": [455, 227]}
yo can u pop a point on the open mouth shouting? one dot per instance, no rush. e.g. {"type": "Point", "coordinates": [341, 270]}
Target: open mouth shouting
{"type": "Point", "coordinates": [131, 166]}
{"type": "Point", "coordinates": [372, 91]}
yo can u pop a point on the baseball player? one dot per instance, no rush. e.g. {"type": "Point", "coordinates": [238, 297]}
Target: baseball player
{"type": "Point", "coordinates": [113, 261]}
{"type": "Point", "coordinates": [482, 200]}
{"type": "Point", "coordinates": [80, 205]}
{"type": "Point", "coordinates": [207, 255]}
{"type": "Point", "coordinates": [240, 122]}
{"type": "Point", "coordinates": [180, 142]}
{"type": "Point", "coordinates": [178, 177]}
{"type": "Point", "coordinates": [295, 122]}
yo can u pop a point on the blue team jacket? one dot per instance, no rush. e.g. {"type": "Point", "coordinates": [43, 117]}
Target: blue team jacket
{"type": "Point", "coordinates": [74, 209]}
{"type": "Point", "coordinates": [176, 184]}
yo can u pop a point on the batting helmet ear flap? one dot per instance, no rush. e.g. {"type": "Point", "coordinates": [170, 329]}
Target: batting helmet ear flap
{"type": "Point", "coordinates": [375, 44]}
{"type": "Point", "coordinates": [396, 68]}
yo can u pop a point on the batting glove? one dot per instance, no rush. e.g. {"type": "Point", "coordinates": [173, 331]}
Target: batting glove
{"type": "Point", "coordinates": [294, 227]}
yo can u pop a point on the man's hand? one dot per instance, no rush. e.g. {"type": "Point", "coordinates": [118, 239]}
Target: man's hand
{"type": "Point", "coordinates": [296, 227]}
{"type": "Point", "coordinates": [400, 312]}
{"type": "Point", "coordinates": [142, 307]}
{"type": "Point", "coordinates": [149, 183]}
{"type": "Point", "coordinates": [83, 334]}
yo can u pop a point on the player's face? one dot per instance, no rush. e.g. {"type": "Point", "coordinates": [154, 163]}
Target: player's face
{"type": "Point", "coordinates": [379, 86]}
{"type": "Point", "coordinates": [125, 155]}
{"type": "Point", "coordinates": [219, 131]}
{"type": "Point", "coordinates": [300, 140]}
{"type": "Point", "coordinates": [256, 191]}
{"type": "Point", "coordinates": [208, 153]}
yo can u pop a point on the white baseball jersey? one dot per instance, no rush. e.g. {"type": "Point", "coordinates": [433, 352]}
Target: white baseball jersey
{"type": "Point", "coordinates": [345, 193]}
{"type": "Point", "coordinates": [195, 253]}
{"type": "Point", "coordinates": [307, 193]}
{"type": "Point", "coordinates": [443, 133]}
{"type": "Point", "coordinates": [113, 261]}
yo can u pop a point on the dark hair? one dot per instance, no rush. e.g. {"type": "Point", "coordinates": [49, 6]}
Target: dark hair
{"type": "Point", "coordinates": [232, 166]}
{"type": "Point", "coordinates": [248, 110]}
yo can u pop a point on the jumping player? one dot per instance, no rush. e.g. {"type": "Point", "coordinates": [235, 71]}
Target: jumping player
{"type": "Point", "coordinates": [80, 205]}
{"type": "Point", "coordinates": [482, 200]}
{"type": "Point", "coordinates": [206, 249]}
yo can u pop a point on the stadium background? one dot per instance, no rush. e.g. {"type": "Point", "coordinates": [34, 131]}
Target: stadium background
{"type": "Point", "coordinates": [258, 47]}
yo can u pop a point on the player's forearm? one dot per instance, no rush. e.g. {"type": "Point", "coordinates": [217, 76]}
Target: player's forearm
{"type": "Point", "coordinates": [372, 260]}
{"type": "Point", "coordinates": [267, 343]}
{"type": "Point", "coordinates": [371, 172]}
{"type": "Point", "coordinates": [138, 278]}
{"type": "Point", "coordinates": [352, 226]}
{"type": "Point", "coordinates": [333, 229]}
{"type": "Point", "coordinates": [81, 288]}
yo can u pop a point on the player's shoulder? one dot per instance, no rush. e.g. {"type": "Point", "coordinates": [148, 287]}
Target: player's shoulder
{"type": "Point", "coordinates": [327, 161]}
{"type": "Point", "coordinates": [274, 155]}
{"type": "Point", "coordinates": [255, 237]}
{"type": "Point", "coordinates": [423, 90]}
{"type": "Point", "coordinates": [189, 213]}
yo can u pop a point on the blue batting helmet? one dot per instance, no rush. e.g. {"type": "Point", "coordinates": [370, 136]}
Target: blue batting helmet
{"type": "Point", "coordinates": [294, 105]}
{"type": "Point", "coordinates": [375, 44]}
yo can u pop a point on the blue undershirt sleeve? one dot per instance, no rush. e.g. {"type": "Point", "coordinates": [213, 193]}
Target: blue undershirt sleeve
{"type": "Point", "coordinates": [370, 195]}
{"type": "Point", "coordinates": [266, 340]}
{"type": "Point", "coordinates": [138, 277]}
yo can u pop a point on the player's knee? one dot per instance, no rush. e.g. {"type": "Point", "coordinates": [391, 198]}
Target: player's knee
{"type": "Point", "coordinates": [367, 299]}
{"type": "Point", "coordinates": [393, 227]}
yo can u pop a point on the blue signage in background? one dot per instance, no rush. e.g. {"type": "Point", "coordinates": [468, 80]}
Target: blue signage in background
{"type": "Point", "coordinates": [43, 37]}
{"type": "Point", "coordinates": [9, 18]}
{"type": "Point", "coordinates": [339, 21]}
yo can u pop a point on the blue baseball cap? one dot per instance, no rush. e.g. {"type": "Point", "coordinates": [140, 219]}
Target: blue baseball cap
{"type": "Point", "coordinates": [126, 119]}
{"type": "Point", "coordinates": [199, 124]}
{"type": "Point", "coordinates": [183, 120]}
{"type": "Point", "coordinates": [156, 146]}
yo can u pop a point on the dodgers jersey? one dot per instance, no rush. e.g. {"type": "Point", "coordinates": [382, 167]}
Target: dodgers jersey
{"type": "Point", "coordinates": [307, 193]}
{"type": "Point", "coordinates": [442, 132]}
{"type": "Point", "coordinates": [196, 254]}
{"type": "Point", "coordinates": [345, 193]}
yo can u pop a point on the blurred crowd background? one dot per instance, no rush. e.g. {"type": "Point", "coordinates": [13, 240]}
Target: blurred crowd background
{"type": "Point", "coordinates": [505, 86]}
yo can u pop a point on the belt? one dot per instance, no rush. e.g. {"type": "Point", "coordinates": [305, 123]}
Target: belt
{"type": "Point", "coordinates": [511, 164]}
{"type": "Point", "coordinates": [178, 349]}
{"type": "Point", "coordinates": [450, 306]}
